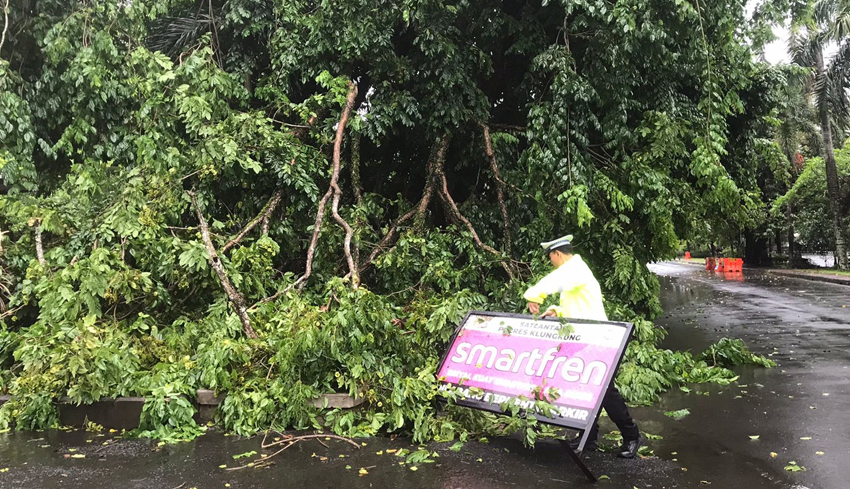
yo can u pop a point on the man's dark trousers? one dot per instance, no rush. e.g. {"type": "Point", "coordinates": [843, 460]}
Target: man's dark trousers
{"type": "Point", "coordinates": [618, 412]}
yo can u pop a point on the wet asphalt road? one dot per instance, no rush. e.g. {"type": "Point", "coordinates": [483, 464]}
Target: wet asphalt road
{"type": "Point", "coordinates": [802, 324]}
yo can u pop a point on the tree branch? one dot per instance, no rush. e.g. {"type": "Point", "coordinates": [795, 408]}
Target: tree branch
{"type": "Point", "coordinates": [5, 24]}
{"type": "Point", "coordinates": [500, 184]}
{"type": "Point", "coordinates": [359, 221]}
{"type": "Point", "coordinates": [39, 248]}
{"type": "Point", "coordinates": [320, 213]}
{"type": "Point", "coordinates": [451, 206]}
{"type": "Point", "coordinates": [311, 250]}
{"type": "Point", "coordinates": [419, 210]}
{"type": "Point", "coordinates": [235, 297]}
{"type": "Point", "coordinates": [262, 217]}
{"type": "Point", "coordinates": [355, 169]}
{"type": "Point", "coordinates": [349, 232]}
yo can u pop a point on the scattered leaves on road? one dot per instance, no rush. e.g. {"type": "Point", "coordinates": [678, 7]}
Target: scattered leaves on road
{"type": "Point", "coordinates": [244, 455]}
{"type": "Point", "coordinates": [678, 414]}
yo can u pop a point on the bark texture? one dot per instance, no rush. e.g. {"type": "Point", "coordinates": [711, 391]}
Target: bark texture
{"type": "Point", "coordinates": [233, 295]}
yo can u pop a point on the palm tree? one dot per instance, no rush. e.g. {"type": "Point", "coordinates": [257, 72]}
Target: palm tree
{"type": "Point", "coordinates": [828, 21]}
{"type": "Point", "coordinates": [797, 128]}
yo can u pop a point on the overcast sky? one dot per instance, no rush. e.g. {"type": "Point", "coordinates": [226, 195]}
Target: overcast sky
{"type": "Point", "coordinates": [777, 51]}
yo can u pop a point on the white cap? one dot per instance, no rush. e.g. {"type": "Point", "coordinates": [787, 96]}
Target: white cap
{"type": "Point", "coordinates": [557, 243]}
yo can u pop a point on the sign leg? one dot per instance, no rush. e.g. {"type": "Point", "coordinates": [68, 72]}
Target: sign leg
{"type": "Point", "coordinates": [577, 459]}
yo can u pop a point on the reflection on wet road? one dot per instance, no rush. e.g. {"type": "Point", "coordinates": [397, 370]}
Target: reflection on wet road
{"type": "Point", "coordinates": [797, 409]}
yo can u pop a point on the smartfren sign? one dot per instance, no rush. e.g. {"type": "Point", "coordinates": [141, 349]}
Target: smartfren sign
{"type": "Point", "coordinates": [496, 358]}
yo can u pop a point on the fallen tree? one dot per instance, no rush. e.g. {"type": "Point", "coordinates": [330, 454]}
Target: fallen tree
{"type": "Point", "coordinates": [166, 190]}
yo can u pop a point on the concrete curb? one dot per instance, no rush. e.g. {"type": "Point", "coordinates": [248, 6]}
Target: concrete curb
{"type": "Point", "coordinates": [814, 277]}
{"type": "Point", "coordinates": [124, 412]}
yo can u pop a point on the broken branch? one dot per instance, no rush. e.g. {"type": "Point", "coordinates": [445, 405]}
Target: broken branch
{"type": "Point", "coordinates": [39, 247]}
{"type": "Point", "coordinates": [349, 232]}
{"type": "Point", "coordinates": [262, 217]}
{"type": "Point", "coordinates": [320, 213]}
{"type": "Point", "coordinates": [288, 442]}
{"type": "Point", "coordinates": [500, 190]}
{"type": "Point", "coordinates": [5, 24]}
{"type": "Point", "coordinates": [215, 262]}
{"type": "Point", "coordinates": [452, 207]}
{"type": "Point", "coordinates": [311, 250]}
{"type": "Point", "coordinates": [434, 166]}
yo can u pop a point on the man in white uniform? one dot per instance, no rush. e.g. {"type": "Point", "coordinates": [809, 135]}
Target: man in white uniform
{"type": "Point", "coordinates": [581, 298]}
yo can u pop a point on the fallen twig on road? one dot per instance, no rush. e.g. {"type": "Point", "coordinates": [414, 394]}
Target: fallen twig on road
{"type": "Point", "coordinates": [288, 441]}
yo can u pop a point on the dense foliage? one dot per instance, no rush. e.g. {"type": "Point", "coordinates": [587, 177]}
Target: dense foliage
{"type": "Point", "coordinates": [808, 199]}
{"type": "Point", "coordinates": [825, 25]}
{"type": "Point", "coordinates": [168, 167]}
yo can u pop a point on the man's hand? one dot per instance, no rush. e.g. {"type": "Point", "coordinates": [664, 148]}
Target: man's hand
{"type": "Point", "coordinates": [534, 308]}
{"type": "Point", "coordinates": [549, 314]}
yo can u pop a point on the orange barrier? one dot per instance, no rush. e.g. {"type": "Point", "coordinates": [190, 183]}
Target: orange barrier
{"type": "Point", "coordinates": [730, 265]}
{"type": "Point", "coordinates": [724, 265]}
{"type": "Point", "coordinates": [735, 265]}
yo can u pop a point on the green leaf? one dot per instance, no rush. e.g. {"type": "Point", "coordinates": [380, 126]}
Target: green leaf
{"type": "Point", "coordinates": [678, 414]}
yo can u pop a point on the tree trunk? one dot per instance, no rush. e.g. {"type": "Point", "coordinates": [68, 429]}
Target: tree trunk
{"type": "Point", "coordinates": [793, 259]}
{"type": "Point", "coordinates": [236, 298]}
{"type": "Point", "coordinates": [832, 183]}
{"type": "Point", "coordinates": [792, 246]}
{"type": "Point", "coordinates": [756, 249]}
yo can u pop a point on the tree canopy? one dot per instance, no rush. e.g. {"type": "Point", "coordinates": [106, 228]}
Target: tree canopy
{"type": "Point", "coordinates": [276, 199]}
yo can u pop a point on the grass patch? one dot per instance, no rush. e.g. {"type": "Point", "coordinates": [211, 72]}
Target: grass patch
{"type": "Point", "coordinates": [821, 271]}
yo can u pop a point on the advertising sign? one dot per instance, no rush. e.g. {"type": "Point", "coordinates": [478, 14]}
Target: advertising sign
{"type": "Point", "coordinates": [497, 358]}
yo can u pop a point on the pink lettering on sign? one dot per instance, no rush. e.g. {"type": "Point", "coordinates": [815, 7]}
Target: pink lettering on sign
{"type": "Point", "coordinates": [515, 356]}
